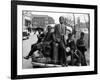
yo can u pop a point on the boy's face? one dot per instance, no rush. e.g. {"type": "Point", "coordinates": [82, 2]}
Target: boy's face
{"type": "Point", "coordinates": [82, 36]}
{"type": "Point", "coordinates": [61, 20]}
{"type": "Point", "coordinates": [49, 29]}
{"type": "Point", "coordinates": [70, 36]}
{"type": "Point", "coordinates": [40, 31]}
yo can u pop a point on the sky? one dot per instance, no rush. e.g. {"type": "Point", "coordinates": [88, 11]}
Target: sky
{"type": "Point", "coordinates": [83, 17]}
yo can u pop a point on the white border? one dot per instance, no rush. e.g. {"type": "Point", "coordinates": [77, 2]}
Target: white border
{"type": "Point", "coordinates": [21, 71]}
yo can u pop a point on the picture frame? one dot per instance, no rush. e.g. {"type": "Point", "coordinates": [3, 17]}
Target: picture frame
{"type": "Point", "coordinates": [17, 10]}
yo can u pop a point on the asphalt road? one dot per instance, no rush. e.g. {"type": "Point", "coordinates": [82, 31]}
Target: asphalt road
{"type": "Point", "coordinates": [26, 64]}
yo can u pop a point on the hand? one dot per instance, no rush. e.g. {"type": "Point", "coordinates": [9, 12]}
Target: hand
{"type": "Point", "coordinates": [67, 49]}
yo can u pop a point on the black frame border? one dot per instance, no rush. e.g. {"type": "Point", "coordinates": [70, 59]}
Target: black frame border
{"type": "Point", "coordinates": [14, 39]}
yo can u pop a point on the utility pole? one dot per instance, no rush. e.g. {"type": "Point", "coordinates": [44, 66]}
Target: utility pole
{"type": "Point", "coordinates": [74, 30]}
{"type": "Point", "coordinates": [88, 27]}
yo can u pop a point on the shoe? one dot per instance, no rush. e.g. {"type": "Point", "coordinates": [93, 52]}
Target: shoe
{"type": "Point", "coordinates": [63, 65]}
{"type": "Point", "coordinates": [26, 57]}
{"type": "Point", "coordinates": [66, 65]}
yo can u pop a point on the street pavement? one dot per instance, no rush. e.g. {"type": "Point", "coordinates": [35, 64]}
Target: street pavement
{"type": "Point", "coordinates": [26, 64]}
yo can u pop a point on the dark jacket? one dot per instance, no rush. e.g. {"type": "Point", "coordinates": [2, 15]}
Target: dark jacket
{"type": "Point", "coordinates": [71, 44]}
{"type": "Point", "coordinates": [81, 45]}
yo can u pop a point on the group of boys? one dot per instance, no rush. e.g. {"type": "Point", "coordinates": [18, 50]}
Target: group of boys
{"type": "Point", "coordinates": [55, 46]}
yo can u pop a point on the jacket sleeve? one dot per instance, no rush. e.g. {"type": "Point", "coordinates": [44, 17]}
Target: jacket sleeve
{"type": "Point", "coordinates": [53, 35]}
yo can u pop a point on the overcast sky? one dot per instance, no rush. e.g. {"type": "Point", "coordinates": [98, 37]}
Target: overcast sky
{"type": "Point", "coordinates": [83, 17]}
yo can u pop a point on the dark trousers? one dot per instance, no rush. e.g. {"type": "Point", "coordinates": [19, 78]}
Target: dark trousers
{"type": "Point", "coordinates": [81, 58]}
{"type": "Point", "coordinates": [73, 56]}
{"type": "Point", "coordinates": [82, 50]}
{"type": "Point", "coordinates": [59, 53]}
{"type": "Point", "coordinates": [84, 60]}
{"type": "Point", "coordinates": [62, 57]}
{"type": "Point", "coordinates": [34, 47]}
{"type": "Point", "coordinates": [62, 53]}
